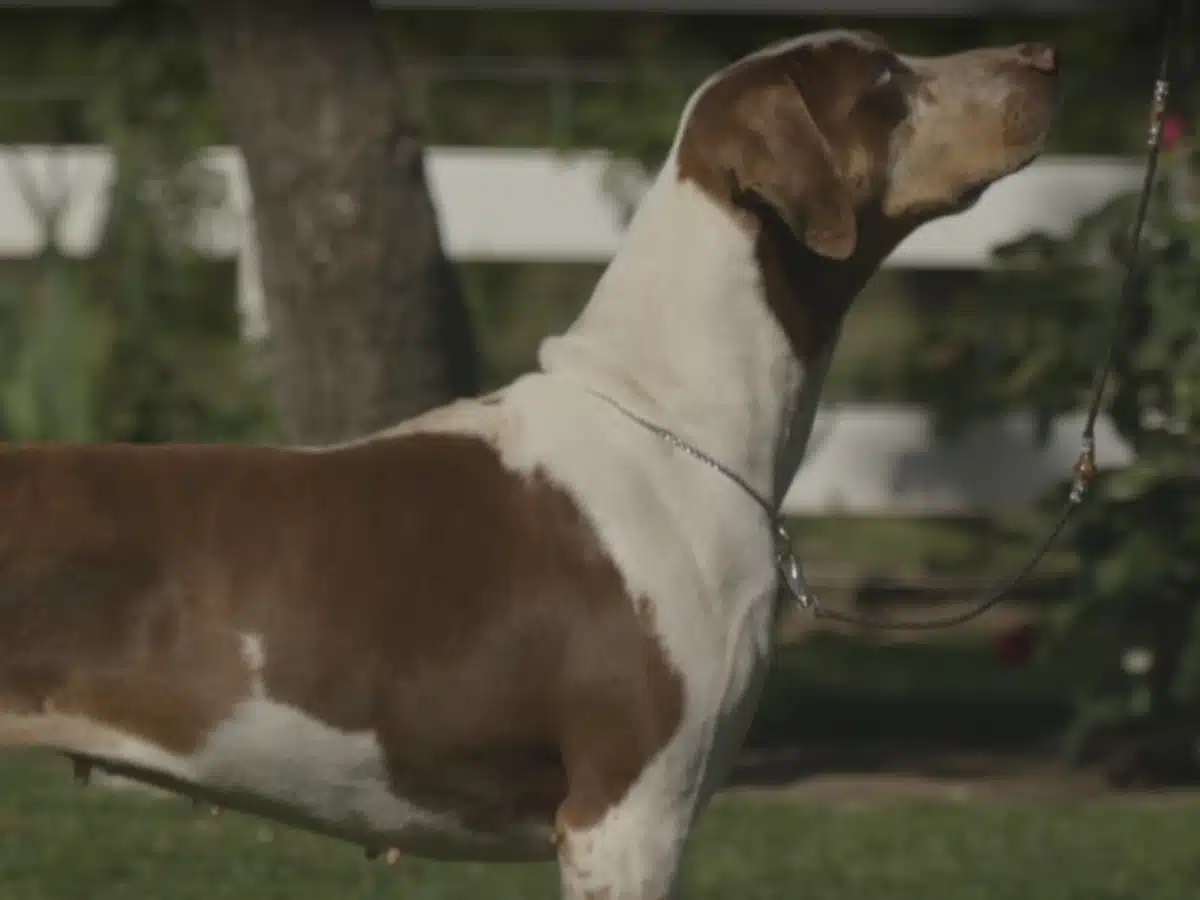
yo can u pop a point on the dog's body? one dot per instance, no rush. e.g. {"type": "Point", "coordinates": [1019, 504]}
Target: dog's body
{"type": "Point", "coordinates": [523, 625]}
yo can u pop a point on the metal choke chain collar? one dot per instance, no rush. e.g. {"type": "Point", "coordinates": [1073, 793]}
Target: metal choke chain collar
{"type": "Point", "coordinates": [785, 554]}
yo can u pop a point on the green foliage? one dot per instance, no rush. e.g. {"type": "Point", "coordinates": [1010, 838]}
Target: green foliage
{"type": "Point", "coordinates": [141, 341]}
{"type": "Point", "coordinates": [637, 118]}
{"type": "Point", "coordinates": [1040, 324]}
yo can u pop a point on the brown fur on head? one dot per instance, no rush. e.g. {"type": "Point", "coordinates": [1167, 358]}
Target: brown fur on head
{"type": "Point", "coordinates": [828, 128]}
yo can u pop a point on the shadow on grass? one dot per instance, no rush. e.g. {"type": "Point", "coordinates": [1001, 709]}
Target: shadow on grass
{"type": "Point", "coordinates": [837, 704]}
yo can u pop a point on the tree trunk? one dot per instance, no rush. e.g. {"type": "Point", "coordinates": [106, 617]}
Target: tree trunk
{"type": "Point", "coordinates": [367, 320]}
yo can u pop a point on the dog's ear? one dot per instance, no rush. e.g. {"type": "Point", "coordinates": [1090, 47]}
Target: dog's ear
{"type": "Point", "coordinates": [775, 151]}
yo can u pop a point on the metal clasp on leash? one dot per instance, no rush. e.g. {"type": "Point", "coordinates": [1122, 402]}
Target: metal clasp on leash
{"type": "Point", "coordinates": [788, 565]}
{"type": "Point", "coordinates": [1085, 470]}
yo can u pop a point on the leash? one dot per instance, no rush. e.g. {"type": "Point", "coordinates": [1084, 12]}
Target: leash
{"type": "Point", "coordinates": [1084, 470]}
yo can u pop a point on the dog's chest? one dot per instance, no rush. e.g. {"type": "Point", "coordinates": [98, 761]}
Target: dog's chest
{"type": "Point", "coordinates": [722, 645]}
{"type": "Point", "coordinates": [738, 695]}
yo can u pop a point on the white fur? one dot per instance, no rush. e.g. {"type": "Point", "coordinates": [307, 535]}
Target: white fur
{"type": "Point", "coordinates": [254, 652]}
{"type": "Point", "coordinates": [337, 779]}
{"type": "Point", "coordinates": [678, 332]}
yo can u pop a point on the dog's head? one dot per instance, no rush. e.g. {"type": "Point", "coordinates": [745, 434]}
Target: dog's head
{"type": "Point", "coordinates": [835, 129]}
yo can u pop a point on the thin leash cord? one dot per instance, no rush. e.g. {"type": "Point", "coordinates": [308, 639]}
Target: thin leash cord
{"type": "Point", "coordinates": [1121, 320]}
{"type": "Point", "coordinates": [1084, 469]}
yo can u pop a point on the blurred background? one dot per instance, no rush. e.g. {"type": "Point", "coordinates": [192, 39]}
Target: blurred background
{"type": "Point", "coordinates": [240, 221]}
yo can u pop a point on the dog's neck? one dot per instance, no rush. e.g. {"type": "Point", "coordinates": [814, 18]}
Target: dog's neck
{"type": "Point", "coordinates": [679, 330]}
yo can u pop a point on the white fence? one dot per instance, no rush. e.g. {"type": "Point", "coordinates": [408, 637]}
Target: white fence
{"type": "Point", "coordinates": [536, 205]}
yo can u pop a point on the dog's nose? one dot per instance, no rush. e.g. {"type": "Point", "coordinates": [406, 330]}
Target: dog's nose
{"type": "Point", "coordinates": [1040, 56]}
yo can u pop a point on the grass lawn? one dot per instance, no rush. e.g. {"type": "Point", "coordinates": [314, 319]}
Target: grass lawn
{"type": "Point", "coordinates": [58, 842]}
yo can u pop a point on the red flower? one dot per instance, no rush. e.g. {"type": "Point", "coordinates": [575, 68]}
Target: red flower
{"type": "Point", "coordinates": [1174, 130]}
{"type": "Point", "coordinates": [1015, 647]}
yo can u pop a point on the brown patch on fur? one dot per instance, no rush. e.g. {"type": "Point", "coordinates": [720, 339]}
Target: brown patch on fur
{"type": "Point", "coordinates": [409, 586]}
{"type": "Point", "coordinates": [799, 144]}
{"type": "Point", "coordinates": [780, 140]}
{"type": "Point", "coordinates": [786, 130]}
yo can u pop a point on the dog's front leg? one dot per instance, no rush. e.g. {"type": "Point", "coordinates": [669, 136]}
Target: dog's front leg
{"type": "Point", "coordinates": [630, 854]}
{"type": "Point", "coordinates": [632, 849]}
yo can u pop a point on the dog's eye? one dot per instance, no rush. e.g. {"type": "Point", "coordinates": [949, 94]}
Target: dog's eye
{"type": "Point", "coordinates": [884, 78]}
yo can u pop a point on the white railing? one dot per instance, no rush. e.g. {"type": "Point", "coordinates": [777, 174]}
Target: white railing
{"type": "Point", "coordinates": [538, 206]}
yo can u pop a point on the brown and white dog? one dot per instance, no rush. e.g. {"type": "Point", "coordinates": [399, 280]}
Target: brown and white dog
{"type": "Point", "coordinates": [520, 626]}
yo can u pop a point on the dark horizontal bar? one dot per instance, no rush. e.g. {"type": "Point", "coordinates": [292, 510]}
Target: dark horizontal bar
{"type": "Point", "coordinates": [755, 7]}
